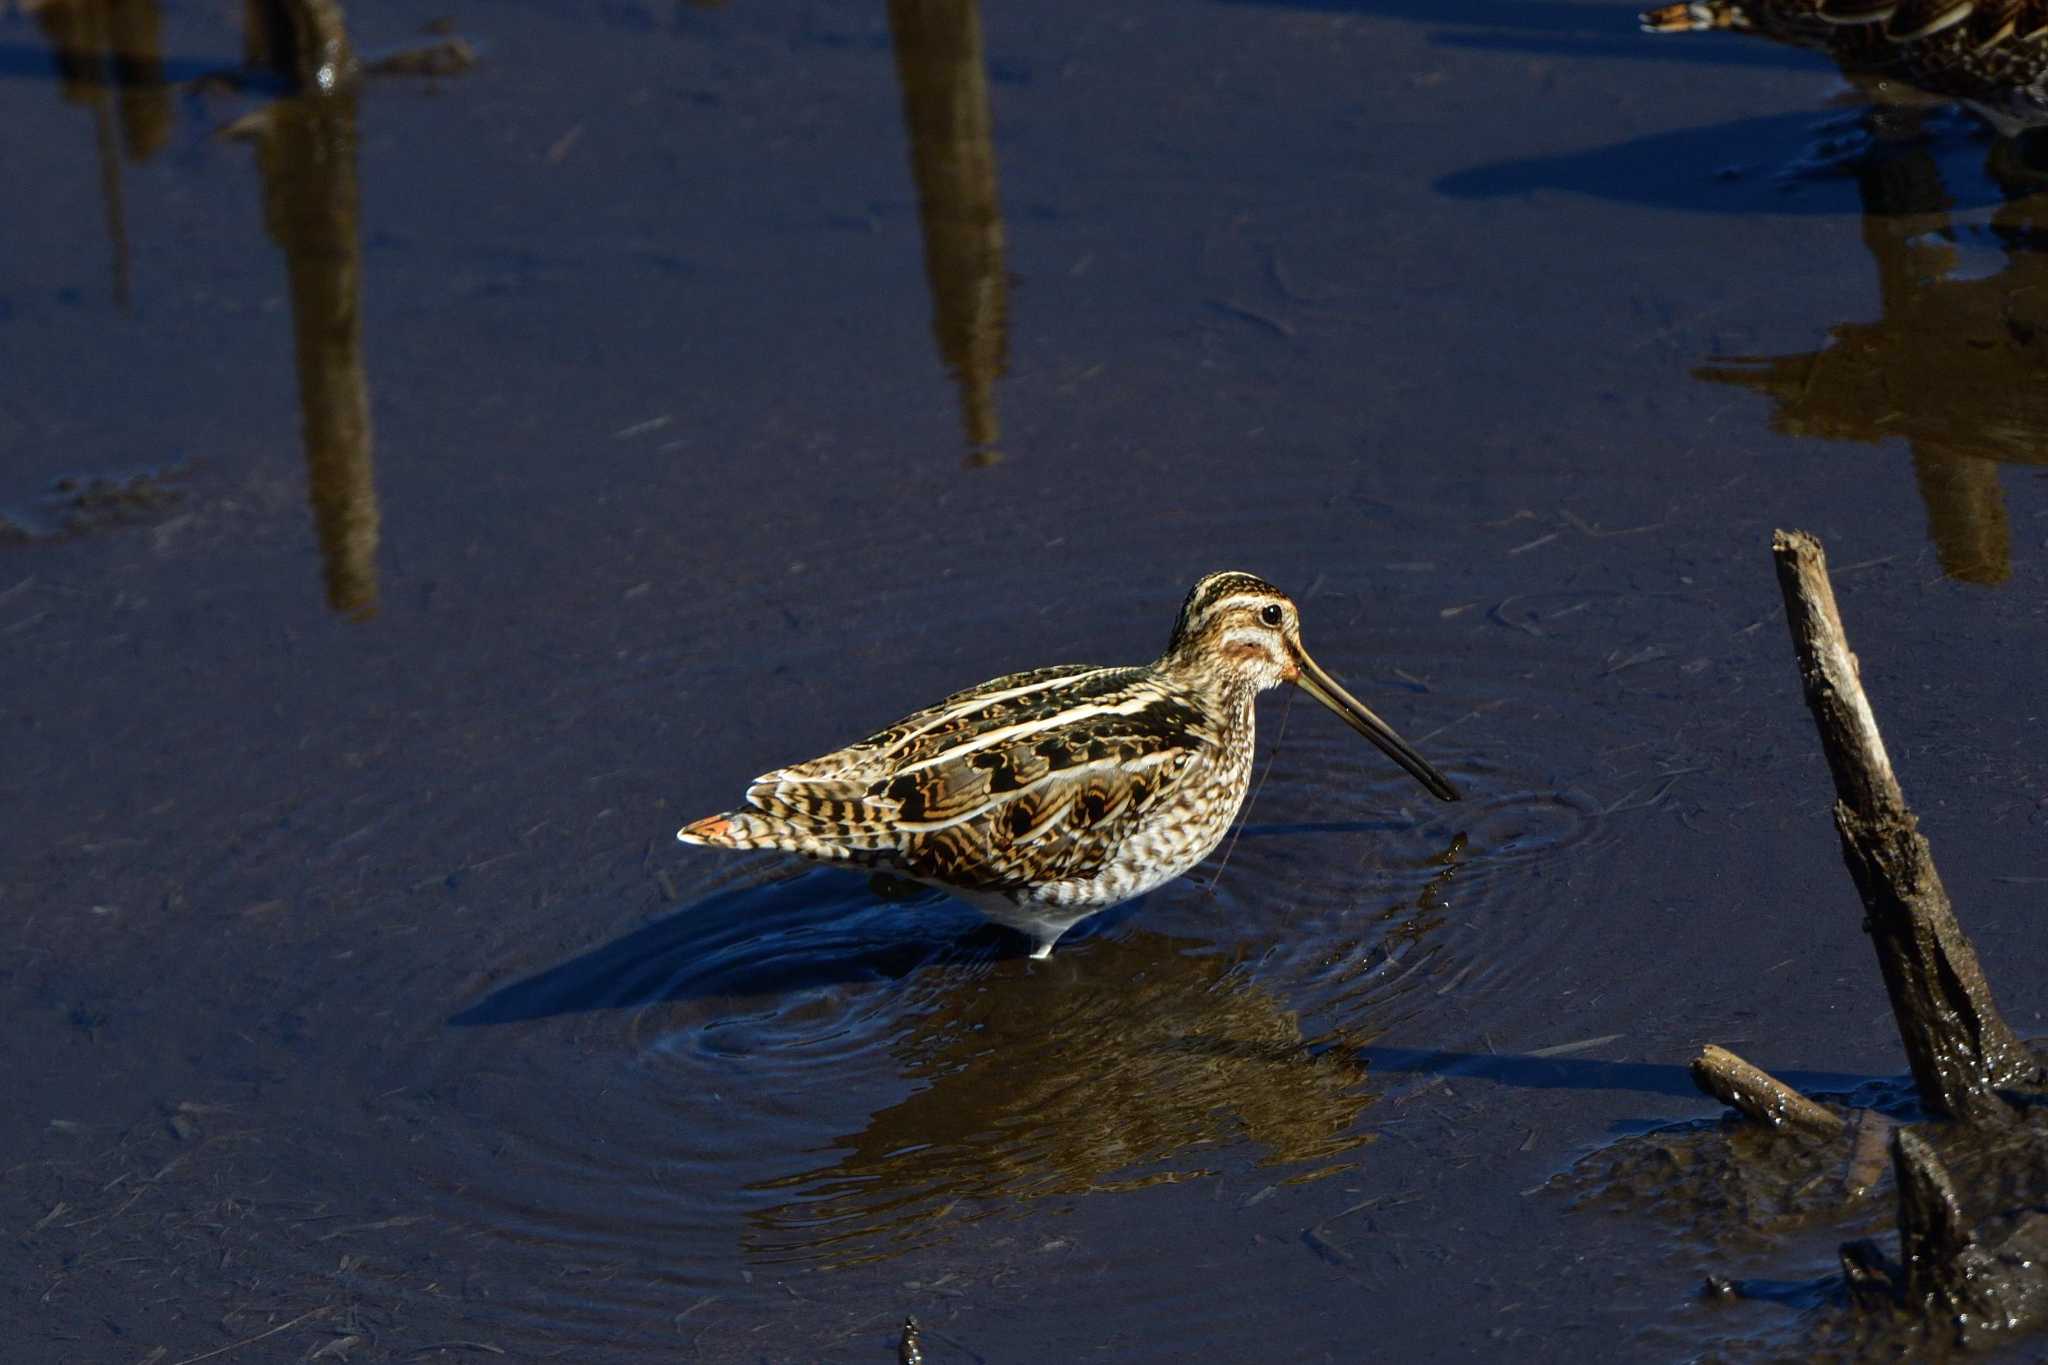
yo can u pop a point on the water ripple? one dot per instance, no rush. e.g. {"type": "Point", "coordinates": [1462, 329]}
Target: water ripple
{"type": "Point", "coordinates": [833, 1076]}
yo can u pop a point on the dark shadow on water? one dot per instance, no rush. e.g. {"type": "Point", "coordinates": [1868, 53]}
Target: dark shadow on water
{"type": "Point", "coordinates": [24, 62]}
{"type": "Point", "coordinates": [1537, 14]}
{"type": "Point", "coordinates": [1583, 1073]}
{"type": "Point", "coordinates": [1574, 31]}
{"type": "Point", "coordinates": [1635, 47]}
{"type": "Point", "coordinates": [819, 928]}
{"type": "Point", "coordinates": [1802, 1295]}
{"type": "Point", "coordinates": [1771, 164]}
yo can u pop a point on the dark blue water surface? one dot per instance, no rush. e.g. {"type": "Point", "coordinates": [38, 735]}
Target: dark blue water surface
{"type": "Point", "coordinates": [420, 500]}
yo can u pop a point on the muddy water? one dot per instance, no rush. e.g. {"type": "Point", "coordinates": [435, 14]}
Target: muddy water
{"type": "Point", "coordinates": [700, 387]}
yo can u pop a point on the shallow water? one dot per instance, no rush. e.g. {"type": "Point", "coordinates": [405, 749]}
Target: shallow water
{"type": "Point", "coordinates": [739, 378]}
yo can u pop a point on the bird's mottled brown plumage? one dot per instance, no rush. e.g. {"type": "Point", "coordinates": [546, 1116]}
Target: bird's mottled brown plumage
{"type": "Point", "coordinates": [1042, 797]}
{"type": "Point", "coordinates": [1990, 54]}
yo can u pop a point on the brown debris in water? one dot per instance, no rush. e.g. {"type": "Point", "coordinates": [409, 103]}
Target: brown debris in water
{"type": "Point", "coordinates": [85, 505]}
{"type": "Point", "coordinates": [449, 56]}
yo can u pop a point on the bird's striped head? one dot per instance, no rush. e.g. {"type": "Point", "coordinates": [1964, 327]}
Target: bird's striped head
{"type": "Point", "coordinates": [1238, 630]}
{"type": "Point", "coordinates": [1241, 625]}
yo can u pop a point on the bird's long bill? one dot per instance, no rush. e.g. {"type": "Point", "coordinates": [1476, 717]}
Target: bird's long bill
{"type": "Point", "coordinates": [1326, 690]}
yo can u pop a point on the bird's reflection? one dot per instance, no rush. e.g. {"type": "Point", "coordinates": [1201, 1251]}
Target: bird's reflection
{"type": "Point", "coordinates": [1118, 1064]}
{"type": "Point", "coordinates": [1957, 365]}
{"type": "Point", "coordinates": [1129, 1058]}
{"type": "Point", "coordinates": [1115, 1065]}
{"type": "Point", "coordinates": [944, 78]}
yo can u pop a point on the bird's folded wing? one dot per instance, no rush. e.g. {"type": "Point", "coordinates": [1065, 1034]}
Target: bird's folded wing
{"type": "Point", "coordinates": [1005, 793]}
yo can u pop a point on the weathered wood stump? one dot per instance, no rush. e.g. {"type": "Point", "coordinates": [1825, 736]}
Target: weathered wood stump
{"type": "Point", "coordinates": [1967, 1063]}
{"type": "Point", "coordinates": [1946, 1274]}
{"type": "Point", "coordinates": [1960, 1048]}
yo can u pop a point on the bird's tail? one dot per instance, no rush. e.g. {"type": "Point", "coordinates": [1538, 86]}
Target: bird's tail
{"type": "Point", "coordinates": [748, 829]}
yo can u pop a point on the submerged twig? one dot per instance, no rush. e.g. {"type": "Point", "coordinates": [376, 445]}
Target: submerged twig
{"type": "Point", "coordinates": [1868, 1143]}
{"type": "Point", "coordinates": [321, 1311]}
{"type": "Point", "coordinates": [1760, 1095]}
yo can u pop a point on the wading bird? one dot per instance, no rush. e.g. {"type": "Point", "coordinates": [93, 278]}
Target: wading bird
{"type": "Point", "coordinates": [1990, 54]}
{"type": "Point", "coordinates": [1041, 798]}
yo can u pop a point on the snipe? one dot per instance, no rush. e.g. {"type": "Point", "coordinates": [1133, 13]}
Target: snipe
{"type": "Point", "coordinates": [1990, 54]}
{"type": "Point", "coordinates": [1043, 797]}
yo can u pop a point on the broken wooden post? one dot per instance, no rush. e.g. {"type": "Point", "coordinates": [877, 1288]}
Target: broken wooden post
{"type": "Point", "coordinates": [1933, 1233]}
{"type": "Point", "coordinates": [1987, 1291]}
{"type": "Point", "coordinates": [1760, 1095]}
{"type": "Point", "coordinates": [1960, 1047]}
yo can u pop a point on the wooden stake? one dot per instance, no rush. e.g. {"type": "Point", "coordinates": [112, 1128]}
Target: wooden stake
{"type": "Point", "coordinates": [1960, 1047]}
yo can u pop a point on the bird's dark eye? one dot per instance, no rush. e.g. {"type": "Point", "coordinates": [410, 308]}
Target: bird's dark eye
{"type": "Point", "coordinates": [1271, 614]}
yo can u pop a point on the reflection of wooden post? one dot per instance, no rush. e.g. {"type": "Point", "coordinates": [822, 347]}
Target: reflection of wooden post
{"type": "Point", "coordinates": [1959, 1045]}
{"type": "Point", "coordinates": [136, 28]}
{"type": "Point", "coordinates": [110, 196]}
{"type": "Point", "coordinates": [1965, 514]}
{"type": "Point", "coordinates": [1904, 202]}
{"type": "Point", "coordinates": [944, 77]}
{"type": "Point", "coordinates": [307, 151]}
{"type": "Point", "coordinates": [303, 39]}
{"type": "Point", "coordinates": [100, 46]}
{"type": "Point", "coordinates": [1958, 368]}
{"type": "Point", "coordinates": [78, 34]}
